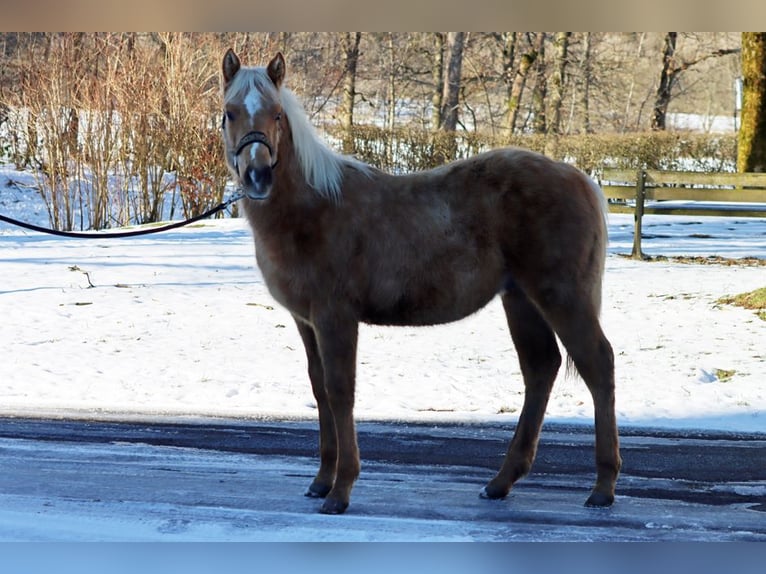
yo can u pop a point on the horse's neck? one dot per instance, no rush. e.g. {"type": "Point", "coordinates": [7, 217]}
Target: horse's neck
{"type": "Point", "coordinates": [290, 196]}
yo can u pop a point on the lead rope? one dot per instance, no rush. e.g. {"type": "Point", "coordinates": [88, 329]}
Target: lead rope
{"type": "Point", "coordinates": [119, 234]}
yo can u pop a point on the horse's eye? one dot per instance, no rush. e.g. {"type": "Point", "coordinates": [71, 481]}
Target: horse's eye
{"type": "Point", "coordinates": [278, 116]}
{"type": "Point", "coordinates": [227, 117]}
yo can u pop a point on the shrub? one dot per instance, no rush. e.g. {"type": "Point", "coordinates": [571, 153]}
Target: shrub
{"type": "Point", "coordinates": [407, 149]}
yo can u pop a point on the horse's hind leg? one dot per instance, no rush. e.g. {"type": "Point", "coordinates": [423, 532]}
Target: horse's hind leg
{"type": "Point", "coordinates": [581, 334]}
{"type": "Point", "coordinates": [540, 359]}
{"type": "Point", "coordinates": [328, 447]}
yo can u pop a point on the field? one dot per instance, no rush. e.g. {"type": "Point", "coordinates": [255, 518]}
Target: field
{"type": "Point", "coordinates": [180, 324]}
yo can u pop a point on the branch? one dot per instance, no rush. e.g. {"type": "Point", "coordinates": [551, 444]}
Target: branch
{"type": "Point", "coordinates": [718, 53]}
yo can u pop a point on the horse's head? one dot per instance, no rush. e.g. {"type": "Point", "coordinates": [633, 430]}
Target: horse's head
{"type": "Point", "coordinates": [252, 122]}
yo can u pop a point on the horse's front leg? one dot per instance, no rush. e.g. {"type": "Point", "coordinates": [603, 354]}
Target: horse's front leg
{"type": "Point", "coordinates": [328, 445]}
{"type": "Point", "coordinates": [337, 338]}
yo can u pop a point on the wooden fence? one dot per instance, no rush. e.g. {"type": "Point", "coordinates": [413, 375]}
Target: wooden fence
{"type": "Point", "coordinates": [682, 193]}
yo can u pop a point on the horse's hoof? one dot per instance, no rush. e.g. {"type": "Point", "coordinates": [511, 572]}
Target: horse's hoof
{"type": "Point", "coordinates": [490, 493]}
{"type": "Point", "coordinates": [599, 500]}
{"type": "Point", "coordinates": [331, 506]}
{"type": "Point", "coordinates": [317, 490]}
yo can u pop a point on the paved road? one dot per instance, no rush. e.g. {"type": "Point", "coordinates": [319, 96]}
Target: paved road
{"type": "Point", "coordinates": [78, 480]}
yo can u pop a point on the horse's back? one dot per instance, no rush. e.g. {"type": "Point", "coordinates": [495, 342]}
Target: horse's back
{"type": "Point", "coordinates": [528, 200]}
{"type": "Point", "coordinates": [514, 180]}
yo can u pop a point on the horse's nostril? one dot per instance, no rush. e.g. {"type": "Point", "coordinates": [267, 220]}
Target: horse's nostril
{"type": "Point", "coordinates": [247, 178]}
{"type": "Point", "coordinates": [256, 182]}
{"type": "Point", "coordinates": [257, 176]}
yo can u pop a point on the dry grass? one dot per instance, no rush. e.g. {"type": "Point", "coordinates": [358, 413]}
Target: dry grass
{"type": "Point", "coordinates": [754, 300]}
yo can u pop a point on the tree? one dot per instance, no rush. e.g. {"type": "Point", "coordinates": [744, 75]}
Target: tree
{"type": "Point", "coordinates": [351, 55]}
{"type": "Point", "coordinates": [668, 77]}
{"type": "Point", "coordinates": [751, 147]}
{"type": "Point", "coordinates": [394, 67]}
{"type": "Point", "coordinates": [587, 79]}
{"type": "Point", "coordinates": [451, 98]}
{"type": "Point", "coordinates": [560, 55]}
{"type": "Point", "coordinates": [540, 90]}
{"type": "Point", "coordinates": [520, 79]}
{"type": "Point", "coordinates": [508, 41]}
{"type": "Point", "coordinates": [437, 77]}
{"type": "Point", "coordinates": [671, 70]}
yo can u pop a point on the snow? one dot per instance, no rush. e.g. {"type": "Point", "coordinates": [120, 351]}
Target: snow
{"type": "Point", "coordinates": [702, 123]}
{"type": "Point", "coordinates": [180, 324]}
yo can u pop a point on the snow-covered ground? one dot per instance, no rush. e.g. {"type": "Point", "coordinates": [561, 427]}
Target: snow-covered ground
{"type": "Point", "coordinates": [180, 324]}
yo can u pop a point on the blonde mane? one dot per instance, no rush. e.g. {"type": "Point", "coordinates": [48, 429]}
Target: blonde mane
{"type": "Point", "coordinates": [322, 167]}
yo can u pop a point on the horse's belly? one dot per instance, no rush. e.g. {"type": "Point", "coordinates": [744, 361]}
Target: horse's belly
{"type": "Point", "coordinates": [429, 304]}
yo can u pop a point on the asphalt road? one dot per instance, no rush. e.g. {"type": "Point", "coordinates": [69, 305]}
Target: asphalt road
{"type": "Point", "coordinates": [243, 480]}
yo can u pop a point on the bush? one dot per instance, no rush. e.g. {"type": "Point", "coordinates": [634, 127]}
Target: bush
{"type": "Point", "coordinates": [405, 149]}
{"type": "Point", "coordinates": [119, 133]}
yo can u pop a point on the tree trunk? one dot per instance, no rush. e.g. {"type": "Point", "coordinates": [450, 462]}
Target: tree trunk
{"type": "Point", "coordinates": [437, 77]}
{"type": "Point", "coordinates": [667, 79]}
{"type": "Point", "coordinates": [391, 87]}
{"type": "Point", "coordinates": [519, 81]}
{"type": "Point", "coordinates": [539, 120]}
{"type": "Point", "coordinates": [561, 49]}
{"type": "Point", "coordinates": [450, 100]}
{"type": "Point", "coordinates": [509, 40]}
{"type": "Point", "coordinates": [351, 55]}
{"type": "Point", "coordinates": [751, 149]}
{"type": "Point", "coordinates": [587, 78]}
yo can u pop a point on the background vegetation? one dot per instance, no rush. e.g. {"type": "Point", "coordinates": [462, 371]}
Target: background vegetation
{"type": "Point", "coordinates": [121, 128]}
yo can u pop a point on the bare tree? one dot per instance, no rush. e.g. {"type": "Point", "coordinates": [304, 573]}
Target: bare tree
{"type": "Point", "coordinates": [508, 41]}
{"type": "Point", "coordinates": [526, 62]}
{"type": "Point", "coordinates": [587, 78]}
{"type": "Point", "coordinates": [668, 77]}
{"type": "Point", "coordinates": [437, 77]}
{"type": "Point", "coordinates": [560, 55]}
{"type": "Point", "coordinates": [393, 73]}
{"type": "Point", "coordinates": [672, 67]}
{"type": "Point", "coordinates": [351, 54]}
{"type": "Point", "coordinates": [450, 100]}
{"type": "Point", "coordinates": [539, 120]}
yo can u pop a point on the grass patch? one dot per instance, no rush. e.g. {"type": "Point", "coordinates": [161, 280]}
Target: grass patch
{"type": "Point", "coordinates": [754, 300]}
{"type": "Point", "coordinates": [709, 260]}
{"type": "Point", "coordinates": [724, 375]}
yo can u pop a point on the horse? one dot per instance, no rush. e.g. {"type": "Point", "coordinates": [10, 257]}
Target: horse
{"type": "Point", "coordinates": [340, 242]}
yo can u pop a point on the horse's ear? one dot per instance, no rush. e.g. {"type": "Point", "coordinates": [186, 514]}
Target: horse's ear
{"type": "Point", "coordinates": [276, 69]}
{"type": "Point", "coordinates": [230, 66]}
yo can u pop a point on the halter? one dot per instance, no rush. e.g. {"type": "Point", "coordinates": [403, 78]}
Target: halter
{"type": "Point", "coordinates": [251, 138]}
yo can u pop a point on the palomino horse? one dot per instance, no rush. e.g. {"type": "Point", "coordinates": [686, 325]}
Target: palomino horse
{"type": "Point", "coordinates": [340, 242]}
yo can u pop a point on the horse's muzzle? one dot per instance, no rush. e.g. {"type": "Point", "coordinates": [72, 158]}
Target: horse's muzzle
{"type": "Point", "coordinates": [257, 182]}
{"type": "Point", "coordinates": [256, 179]}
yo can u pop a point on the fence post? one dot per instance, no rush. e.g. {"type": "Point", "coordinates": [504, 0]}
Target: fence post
{"type": "Point", "coordinates": [638, 214]}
